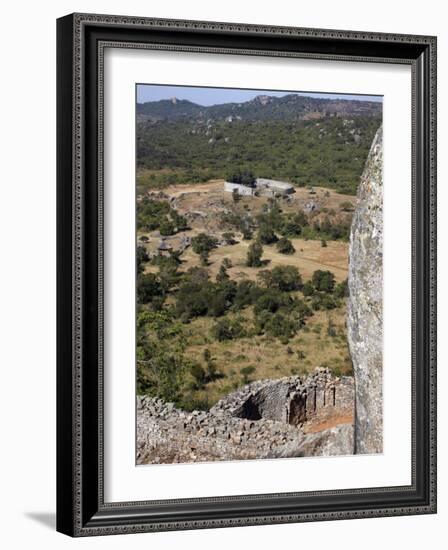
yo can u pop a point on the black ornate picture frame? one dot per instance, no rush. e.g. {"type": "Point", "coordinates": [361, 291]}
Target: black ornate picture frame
{"type": "Point", "coordinates": [81, 508]}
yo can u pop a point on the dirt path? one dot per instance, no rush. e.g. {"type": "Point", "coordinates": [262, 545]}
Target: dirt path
{"type": "Point", "coordinates": [329, 423]}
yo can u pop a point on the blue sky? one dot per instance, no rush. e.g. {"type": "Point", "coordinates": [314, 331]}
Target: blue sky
{"type": "Point", "coordinates": [214, 96]}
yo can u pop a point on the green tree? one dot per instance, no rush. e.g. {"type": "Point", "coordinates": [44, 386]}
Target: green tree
{"type": "Point", "coordinates": [211, 370]}
{"type": "Point", "coordinates": [254, 254]}
{"type": "Point", "coordinates": [161, 365]}
{"type": "Point", "coordinates": [291, 226]}
{"type": "Point", "coordinates": [179, 221]}
{"type": "Point", "coordinates": [285, 246]}
{"type": "Point", "coordinates": [199, 376]}
{"type": "Point", "coordinates": [341, 289]}
{"type": "Point", "coordinates": [280, 326]}
{"type": "Point", "coordinates": [266, 235]}
{"type": "Point", "coordinates": [323, 281]}
{"type": "Point", "coordinates": [242, 177]}
{"type": "Point", "coordinates": [322, 300]}
{"type": "Point", "coordinates": [308, 289]}
{"type": "Point", "coordinates": [222, 274]}
{"type": "Point", "coordinates": [282, 277]}
{"type": "Point", "coordinates": [148, 287]}
{"type": "Point", "coordinates": [228, 329]}
{"type": "Point", "coordinates": [202, 244]}
{"type": "Point", "coordinates": [167, 227]}
{"type": "Point", "coordinates": [141, 258]}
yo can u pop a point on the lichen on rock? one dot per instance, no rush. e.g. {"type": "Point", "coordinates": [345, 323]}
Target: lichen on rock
{"type": "Point", "coordinates": [365, 305]}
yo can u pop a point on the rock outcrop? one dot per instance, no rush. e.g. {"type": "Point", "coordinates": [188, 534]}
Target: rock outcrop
{"type": "Point", "coordinates": [365, 312]}
{"type": "Point", "coordinates": [289, 417]}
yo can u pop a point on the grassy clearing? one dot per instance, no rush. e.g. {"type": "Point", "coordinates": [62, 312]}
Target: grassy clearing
{"type": "Point", "coordinates": [310, 348]}
{"type": "Point", "coordinates": [308, 257]}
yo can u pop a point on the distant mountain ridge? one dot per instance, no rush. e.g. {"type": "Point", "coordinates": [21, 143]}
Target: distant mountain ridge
{"type": "Point", "coordinates": [263, 107]}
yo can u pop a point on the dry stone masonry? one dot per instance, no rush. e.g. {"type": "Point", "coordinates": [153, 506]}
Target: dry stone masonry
{"type": "Point", "coordinates": [288, 417]}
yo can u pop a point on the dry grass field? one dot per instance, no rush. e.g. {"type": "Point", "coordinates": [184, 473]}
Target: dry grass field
{"type": "Point", "coordinates": [308, 257]}
{"type": "Point", "coordinates": [312, 347]}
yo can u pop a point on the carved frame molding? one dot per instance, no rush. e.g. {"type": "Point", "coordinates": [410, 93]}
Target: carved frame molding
{"type": "Point", "coordinates": [82, 38]}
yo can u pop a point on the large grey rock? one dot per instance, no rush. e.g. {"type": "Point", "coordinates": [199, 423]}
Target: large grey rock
{"type": "Point", "coordinates": [365, 311]}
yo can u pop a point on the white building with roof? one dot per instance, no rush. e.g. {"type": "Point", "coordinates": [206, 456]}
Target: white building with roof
{"type": "Point", "coordinates": [230, 187]}
{"type": "Point", "coordinates": [262, 185]}
{"type": "Point", "coordinates": [275, 186]}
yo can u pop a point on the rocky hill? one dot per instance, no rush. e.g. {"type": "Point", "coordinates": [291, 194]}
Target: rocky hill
{"type": "Point", "coordinates": [263, 107]}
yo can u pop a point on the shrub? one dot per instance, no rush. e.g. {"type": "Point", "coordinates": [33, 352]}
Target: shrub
{"type": "Point", "coordinates": [266, 235]}
{"type": "Point", "coordinates": [197, 299]}
{"type": "Point", "coordinates": [220, 298]}
{"type": "Point", "coordinates": [229, 237]}
{"type": "Point", "coordinates": [228, 329]}
{"type": "Point", "coordinates": [308, 289]}
{"type": "Point", "coordinates": [202, 244]}
{"type": "Point", "coordinates": [243, 177]}
{"type": "Point", "coordinates": [191, 402]}
{"type": "Point", "coordinates": [167, 227]}
{"type": "Point", "coordinates": [322, 300]}
{"type": "Point", "coordinates": [300, 309]}
{"type": "Point", "coordinates": [199, 376]}
{"type": "Point", "coordinates": [291, 226]}
{"type": "Point", "coordinates": [280, 326]}
{"type": "Point", "coordinates": [191, 300]}
{"type": "Point", "coordinates": [323, 281]}
{"type": "Point", "coordinates": [245, 295]}
{"type": "Point", "coordinates": [179, 221]}
{"type": "Point", "coordinates": [254, 254]}
{"type": "Point", "coordinates": [246, 372]}
{"type": "Point", "coordinates": [197, 275]}
{"type": "Point", "coordinates": [341, 289]}
{"type": "Point", "coordinates": [283, 277]}
{"type": "Point", "coordinates": [168, 274]}
{"type": "Point", "coordinates": [285, 246]}
{"type": "Point", "coordinates": [148, 287]}
{"type": "Point", "coordinates": [150, 213]}
{"type": "Point", "coordinates": [160, 370]}
{"type": "Point", "coordinates": [222, 274]}
{"type": "Point", "coordinates": [141, 258]}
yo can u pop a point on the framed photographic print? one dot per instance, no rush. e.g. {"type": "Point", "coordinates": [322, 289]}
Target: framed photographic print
{"type": "Point", "coordinates": [246, 274]}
